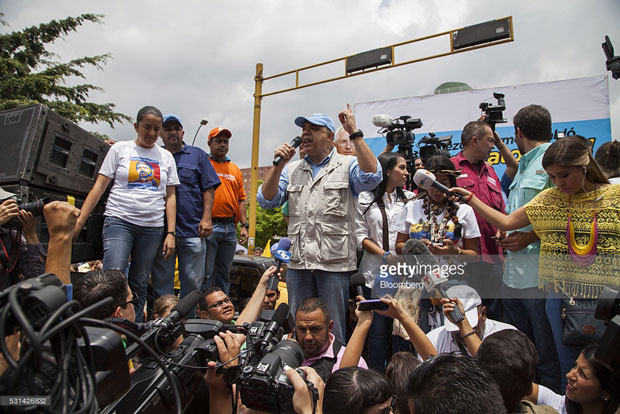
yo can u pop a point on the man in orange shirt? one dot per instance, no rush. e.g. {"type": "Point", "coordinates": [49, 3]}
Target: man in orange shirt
{"type": "Point", "coordinates": [229, 207]}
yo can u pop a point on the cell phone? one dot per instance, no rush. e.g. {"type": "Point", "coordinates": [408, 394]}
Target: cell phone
{"type": "Point", "coordinates": [372, 304]}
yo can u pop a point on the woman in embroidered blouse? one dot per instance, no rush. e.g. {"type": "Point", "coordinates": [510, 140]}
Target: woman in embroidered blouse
{"type": "Point", "coordinates": [578, 223]}
{"type": "Point", "coordinates": [390, 196]}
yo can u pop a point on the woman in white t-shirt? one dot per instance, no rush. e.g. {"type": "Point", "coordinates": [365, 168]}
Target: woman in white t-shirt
{"type": "Point", "coordinates": [390, 197]}
{"type": "Point", "coordinates": [143, 177]}
{"type": "Point", "coordinates": [447, 228]}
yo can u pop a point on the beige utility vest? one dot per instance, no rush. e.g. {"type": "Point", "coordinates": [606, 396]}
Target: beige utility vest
{"type": "Point", "coordinates": [322, 216]}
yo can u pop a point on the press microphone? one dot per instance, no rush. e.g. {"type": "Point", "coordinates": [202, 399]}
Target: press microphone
{"type": "Point", "coordinates": [282, 255]}
{"type": "Point", "coordinates": [271, 329]}
{"type": "Point", "coordinates": [294, 143]}
{"type": "Point", "coordinates": [426, 179]}
{"type": "Point", "coordinates": [357, 281]}
{"type": "Point", "coordinates": [433, 280]}
{"type": "Point", "coordinates": [185, 306]}
{"type": "Point", "coordinates": [382, 121]}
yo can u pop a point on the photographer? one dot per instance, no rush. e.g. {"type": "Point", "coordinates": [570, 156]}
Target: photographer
{"type": "Point", "coordinates": [21, 252]}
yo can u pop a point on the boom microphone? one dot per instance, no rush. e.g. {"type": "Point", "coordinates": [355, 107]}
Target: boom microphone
{"type": "Point", "coordinates": [282, 255]}
{"type": "Point", "coordinates": [185, 306]}
{"type": "Point", "coordinates": [295, 142]}
{"type": "Point", "coordinates": [426, 179]}
{"type": "Point", "coordinates": [382, 121]}
{"type": "Point", "coordinates": [432, 279]}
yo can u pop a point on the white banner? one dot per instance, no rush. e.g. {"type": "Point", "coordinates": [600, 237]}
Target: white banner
{"type": "Point", "coordinates": [577, 106]}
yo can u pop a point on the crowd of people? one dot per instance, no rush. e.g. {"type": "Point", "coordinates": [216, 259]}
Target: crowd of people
{"type": "Point", "coordinates": [513, 251]}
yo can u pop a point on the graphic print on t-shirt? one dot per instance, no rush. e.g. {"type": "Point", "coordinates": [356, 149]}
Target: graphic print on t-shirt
{"type": "Point", "coordinates": [143, 174]}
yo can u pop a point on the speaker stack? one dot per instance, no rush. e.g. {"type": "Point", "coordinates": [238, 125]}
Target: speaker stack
{"type": "Point", "coordinates": [44, 155]}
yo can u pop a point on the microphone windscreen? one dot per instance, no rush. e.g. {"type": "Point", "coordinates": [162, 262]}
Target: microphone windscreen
{"type": "Point", "coordinates": [418, 249]}
{"type": "Point", "coordinates": [424, 178]}
{"type": "Point", "coordinates": [188, 303]}
{"type": "Point", "coordinates": [279, 316]}
{"type": "Point", "coordinates": [382, 121]}
{"type": "Point", "coordinates": [357, 280]}
{"type": "Point", "coordinates": [284, 244]}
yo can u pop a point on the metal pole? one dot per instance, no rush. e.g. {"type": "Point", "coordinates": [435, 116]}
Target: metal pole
{"type": "Point", "coordinates": [258, 89]}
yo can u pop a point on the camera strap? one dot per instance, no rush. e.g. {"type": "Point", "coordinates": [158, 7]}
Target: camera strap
{"type": "Point", "coordinates": [8, 258]}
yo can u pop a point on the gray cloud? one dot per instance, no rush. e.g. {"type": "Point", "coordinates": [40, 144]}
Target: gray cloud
{"type": "Point", "coordinates": [198, 58]}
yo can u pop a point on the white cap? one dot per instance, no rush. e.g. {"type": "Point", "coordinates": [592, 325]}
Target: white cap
{"type": "Point", "coordinates": [470, 300]}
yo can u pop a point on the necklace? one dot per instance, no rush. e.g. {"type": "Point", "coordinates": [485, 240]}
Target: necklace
{"type": "Point", "coordinates": [439, 230]}
{"type": "Point", "coordinates": [583, 255]}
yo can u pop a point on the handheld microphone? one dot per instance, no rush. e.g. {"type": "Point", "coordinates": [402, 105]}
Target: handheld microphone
{"type": "Point", "coordinates": [271, 329]}
{"type": "Point", "coordinates": [282, 255]}
{"type": "Point", "coordinates": [426, 179]}
{"type": "Point", "coordinates": [382, 121]}
{"type": "Point", "coordinates": [356, 282]}
{"type": "Point", "coordinates": [295, 142]}
{"type": "Point", "coordinates": [433, 280]}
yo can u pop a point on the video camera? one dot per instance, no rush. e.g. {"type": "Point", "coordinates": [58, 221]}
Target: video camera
{"type": "Point", "coordinates": [613, 62]}
{"type": "Point", "coordinates": [494, 112]}
{"type": "Point", "coordinates": [432, 145]}
{"type": "Point", "coordinates": [87, 358]}
{"type": "Point", "coordinates": [262, 381]}
{"type": "Point", "coordinates": [34, 207]}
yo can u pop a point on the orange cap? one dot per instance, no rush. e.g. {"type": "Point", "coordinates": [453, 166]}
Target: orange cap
{"type": "Point", "coordinates": [219, 130]}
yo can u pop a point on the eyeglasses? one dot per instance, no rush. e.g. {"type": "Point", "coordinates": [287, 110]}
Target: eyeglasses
{"type": "Point", "coordinates": [219, 303]}
{"type": "Point", "coordinates": [133, 301]}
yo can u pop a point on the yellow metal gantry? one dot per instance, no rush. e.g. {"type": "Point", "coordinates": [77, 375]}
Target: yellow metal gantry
{"type": "Point", "coordinates": [259, 95]}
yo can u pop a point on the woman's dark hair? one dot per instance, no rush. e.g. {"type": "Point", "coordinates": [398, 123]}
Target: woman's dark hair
{"type": "Point", "coordinates": [352, 389]}
{"type": "Point", "coordinates": [609, 381]}
{"type": "Point", "coordinates": [397, 372]}
{"type": "Point", "coordinates": [388, 161]}
{"type": "Point", "coordinates": [574, 151]}
{"type": "Point", "coordinates": [148, 110]}
{"type": "Point", "coordinates": [608, 157]}
{"type": "Point", "coordinates": [438, 163]}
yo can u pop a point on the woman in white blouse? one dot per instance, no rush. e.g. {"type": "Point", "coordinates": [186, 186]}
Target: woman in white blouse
{"type": "Point", "coordinates": [379, 209]}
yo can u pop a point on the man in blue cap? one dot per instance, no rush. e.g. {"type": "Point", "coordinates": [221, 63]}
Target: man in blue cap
{"type": "Point", "coordinates": [194, 204]}
{"type": "Point", "coordinates": [321, 190]}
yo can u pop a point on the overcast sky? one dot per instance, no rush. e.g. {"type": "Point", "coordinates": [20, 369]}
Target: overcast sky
{"type": "Point", "coordinates": [198, 58]}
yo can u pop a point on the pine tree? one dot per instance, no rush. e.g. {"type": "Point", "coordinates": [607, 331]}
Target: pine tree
{"type": "Point", "coordinates": [30, 74]}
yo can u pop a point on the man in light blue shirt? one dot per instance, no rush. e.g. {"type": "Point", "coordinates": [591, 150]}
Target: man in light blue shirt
{"type": "Point", "coordinates": [524, 303]}
{"type": "Point", "coordinates": [321, 190]}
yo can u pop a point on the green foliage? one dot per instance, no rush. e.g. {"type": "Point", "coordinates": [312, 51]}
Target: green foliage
{"type": "Point", "coordinates": [269, 223]}
{"type": "Point", "coordinates": [29, 75]}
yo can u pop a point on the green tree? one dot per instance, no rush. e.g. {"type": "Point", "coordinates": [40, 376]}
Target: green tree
{"type": "Point", "coordinates": [269, 224]}
{"type": "Point", "coordinates": [30, 74]}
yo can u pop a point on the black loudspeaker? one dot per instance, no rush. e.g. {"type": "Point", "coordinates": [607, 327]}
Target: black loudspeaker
{"type": "Point", "coordinates": [88, 245]}
{"type": "Point", "coordinates": [43, 149]}
{"type": "Point", "coordinates": [477, 34]}
{"type": "Point", "coordinates": [370, 59]}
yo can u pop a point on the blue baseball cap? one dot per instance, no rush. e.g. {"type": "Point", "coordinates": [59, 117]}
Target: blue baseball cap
{"type": "Point", "coordinates": [172, 117]}
{"type": "Point", "coordinates": [316, 119]}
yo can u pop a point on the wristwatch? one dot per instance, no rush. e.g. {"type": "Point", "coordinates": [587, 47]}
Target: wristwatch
{"type": "Point", "coordinates": [246, 225]}
{"type": "Point", "coordinates": [357, 134]}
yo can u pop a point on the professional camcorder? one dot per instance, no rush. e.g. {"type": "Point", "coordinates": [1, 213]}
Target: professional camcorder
{"type": "Point", "coordinates": [262, 381]}
{"type": "Point", "coordinates": [81, 364]}
{"type": "Point", "coordinates": [494, 112]}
